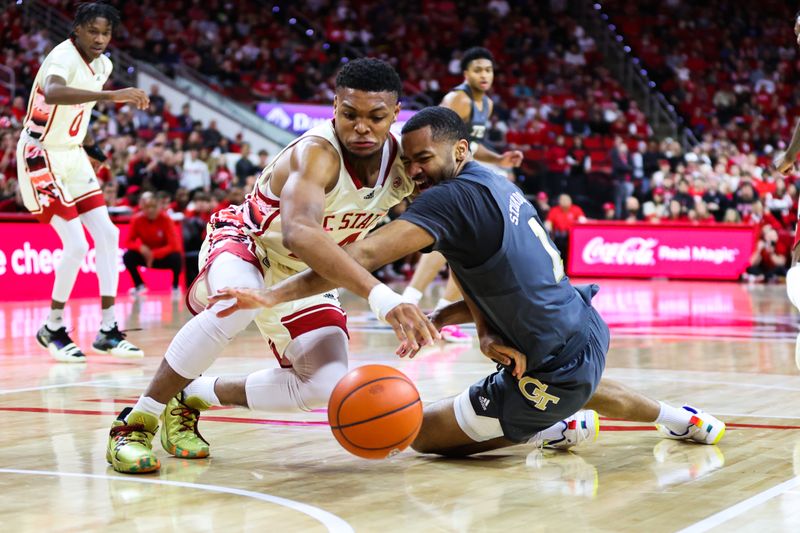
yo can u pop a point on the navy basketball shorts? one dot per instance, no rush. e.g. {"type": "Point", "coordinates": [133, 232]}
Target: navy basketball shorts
{"type": "Point", "coordinates": [502, 406]}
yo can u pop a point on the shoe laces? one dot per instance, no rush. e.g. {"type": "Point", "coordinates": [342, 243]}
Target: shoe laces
{"type": "Point", "coordinates": [118, 334]}
{"type": "Point", "coordinates": [188, 417]}
{"type": "Point", "coordinates": [60, 335]}
{"type": "Point", "coordinates": [130, 433]}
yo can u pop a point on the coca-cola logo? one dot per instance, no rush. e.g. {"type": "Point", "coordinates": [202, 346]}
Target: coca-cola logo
{"type": "Point", "coordinates": [632, 251]}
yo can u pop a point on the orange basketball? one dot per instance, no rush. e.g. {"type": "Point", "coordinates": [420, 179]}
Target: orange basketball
{"type": "Point", "coordinates": [375, 411]}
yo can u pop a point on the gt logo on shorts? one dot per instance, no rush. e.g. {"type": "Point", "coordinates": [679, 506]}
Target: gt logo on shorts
{"type": "Point", "coordinates": [539, 396]}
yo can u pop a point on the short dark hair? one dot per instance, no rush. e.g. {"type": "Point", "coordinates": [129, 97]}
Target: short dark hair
{"type": "Point", "coordinates": [476, 52]}
{"type": "Point", "coordinates": [371, 75]}
{"type": "Point", "coordinates": [88, 11]}
{"type": "Point", "coordinates": [445, 124]}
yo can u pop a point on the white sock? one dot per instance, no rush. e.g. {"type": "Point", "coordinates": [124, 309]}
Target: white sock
{"type": "Point", "coordinates": [109, 319]}
{"type": "Point", "coordinates": [55, 320]}
{"type": "Point", "coordinates": [146, 404]}
{"type": "Point", "coordinates": [412, 295]}
{"type": "Point", "coordinates": [203, 388]}
{"type": "Point", "coordinates": [675, 418]}
{"type": "Point", "coordinates": [442, 303]}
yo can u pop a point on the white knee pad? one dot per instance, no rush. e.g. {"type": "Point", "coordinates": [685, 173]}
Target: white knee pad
{"type": "Point", "coordinates": [200, 341]}
{"type": "Point", "coordinates": [319, 361]}
{"type": "Point", "coordinates": [793, 285]}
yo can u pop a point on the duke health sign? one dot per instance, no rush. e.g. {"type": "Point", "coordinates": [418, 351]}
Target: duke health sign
{"type": "Point", "coordinates": [299, 118]}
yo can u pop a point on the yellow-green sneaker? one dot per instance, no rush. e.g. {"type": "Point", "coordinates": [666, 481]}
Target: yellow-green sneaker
{"type": "Point", "coordinates": [130, 443]}
{"type": "Point", "coordinates": [179, 434]}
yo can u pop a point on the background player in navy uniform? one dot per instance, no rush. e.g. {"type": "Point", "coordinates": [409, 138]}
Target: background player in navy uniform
{"type": "Point", "coordinates": [548, 340]}
{"type": "Point", "coordinates": [470, 100]}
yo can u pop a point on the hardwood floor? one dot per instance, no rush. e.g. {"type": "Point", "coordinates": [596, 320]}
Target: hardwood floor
{"type": "Point", "coordinates": [727, 348]}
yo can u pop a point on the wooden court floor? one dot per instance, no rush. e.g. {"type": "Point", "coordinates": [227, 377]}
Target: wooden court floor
{"type": "Point", "coordinates": [726, 348]}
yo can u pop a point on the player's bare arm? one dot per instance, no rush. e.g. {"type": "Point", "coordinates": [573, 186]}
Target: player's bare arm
{"type": "Point", "coordinates": [313, 170]}
{"type": "Point", "coordinates": [784, 161]}
{"type": "Point", "coordinates": [389, 243]}
{"type": "Point", "coordinates": [459, 102]}
{"type": "Point", "coordinates": [57, 92]}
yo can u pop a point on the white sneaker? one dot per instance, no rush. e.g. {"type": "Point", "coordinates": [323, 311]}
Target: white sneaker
{"type": "Point", "coordinates": [113, 342]}
{"type": "Point", "coordinates": [60, 345]}
{"type": "Point", "coordinates": [577, 429]}
{"type": "Point", "coordinates": [456, 335]}
{"type": "Point", "coordinates": [137, 291]}
{"type": "Point", "coordinates": [702, 428]}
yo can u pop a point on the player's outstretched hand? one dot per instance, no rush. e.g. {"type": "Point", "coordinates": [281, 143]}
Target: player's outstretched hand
{"type": "Point", "coordinates": [492, 347]}
{"type": "Point", "coordinates": [783, 163]}
{"type": "Point", "coordinates": [412, 328]}
{"type": "Point", "coordinates": [245, 299]}
{"type": "Point", "coordinates": [131, 95]}
{"type": "Point", "coordinates": [512, 158]}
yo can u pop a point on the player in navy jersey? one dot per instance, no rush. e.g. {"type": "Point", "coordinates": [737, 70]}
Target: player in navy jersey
{"type": "Point", "coordinates": [547, 339]}
{"type": "Point", "coordinates": [472, 103]}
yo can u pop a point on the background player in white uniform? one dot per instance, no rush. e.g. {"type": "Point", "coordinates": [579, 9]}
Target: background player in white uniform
{"type": "Point", "coordinates": [326, 189]}
{"type": "Point", "coordinates": [475, 108]}
{"type": "Point", "coordinates": [57, 181]}
{"type": "Point", "coordinates": [785, 163]}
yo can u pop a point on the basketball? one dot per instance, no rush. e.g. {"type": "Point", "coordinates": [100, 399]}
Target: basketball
{"type": "Point", "coordinates": [375, 412]}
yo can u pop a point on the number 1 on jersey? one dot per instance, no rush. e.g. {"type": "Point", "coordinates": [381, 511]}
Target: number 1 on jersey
{"type": "Point", "coordinates": [541, 234]}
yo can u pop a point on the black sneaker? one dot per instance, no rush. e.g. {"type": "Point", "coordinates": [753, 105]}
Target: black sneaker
{"type": "Point", "coordinates": [113, 342]}
{"type": "Point", "coordinates": [60, 346]}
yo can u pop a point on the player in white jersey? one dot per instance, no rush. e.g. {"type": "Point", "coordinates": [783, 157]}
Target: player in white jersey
{"type": "Point", "coordinates": [57, 181]}
{"type": "Point", "coordinates": [326, 189]}
{"type": "Point", "coordinates": [785, 164]}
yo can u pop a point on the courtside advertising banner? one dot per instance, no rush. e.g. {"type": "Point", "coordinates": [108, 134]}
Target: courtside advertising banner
{"type": "Point", "coordinates": [299, 118]}
{"type": "Point", "coordinates": [645, 250]}
{"type": "Point", "coordinates": [29, 253]}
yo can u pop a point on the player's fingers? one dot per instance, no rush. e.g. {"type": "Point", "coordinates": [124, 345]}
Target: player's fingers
{"type": "Point", "coordinates": [422, 329]}
{"type": "Point", "coordinates": [398, 330]}
{"type": "Point", "coordinates": [222, 294]}
{"type": "Point", "coordinates": [411, 335]}
{"type": "Point", "coordinates": [520, 364]}
{"type": "Point", "coordinates": [228, 311]}
{"type": "Point", "coordinates": [507, 350]}
{"type": "Point", "coordinates": [500, 357]}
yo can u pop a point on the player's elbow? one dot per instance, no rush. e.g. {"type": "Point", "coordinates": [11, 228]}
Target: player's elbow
{"type": "Point", "coordinates": [49, 97]}
{"type": "Point", "coordinates": [51, 93]}
{"type": "Point", "coordinates": [295, 237]}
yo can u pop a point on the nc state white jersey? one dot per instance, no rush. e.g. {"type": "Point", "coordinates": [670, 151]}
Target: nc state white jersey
{"type": "Point", "coordinates": [351, 210]}
{"type": "Point", "coordinates": [64, 126]}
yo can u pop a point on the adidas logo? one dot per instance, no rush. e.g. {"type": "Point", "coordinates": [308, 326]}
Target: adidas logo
{"type": "Point", "coordinates": [370, 196]}
{"type": "Point", "coordinates": [329, 296]}
{"type": "Point", "coordinates": [484, 402]}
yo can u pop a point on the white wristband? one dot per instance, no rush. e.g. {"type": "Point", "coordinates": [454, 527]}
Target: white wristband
{"type": "Point", "coordinates": [382, 299]}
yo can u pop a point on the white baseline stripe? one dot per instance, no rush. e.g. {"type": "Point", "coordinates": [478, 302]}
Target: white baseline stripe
{"type": "Point", "coordinates": [332, 522]}
{"type": "Point", "coordinates": [742, 507]}
{"type": "Point", "coordinates": [103, 382]}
